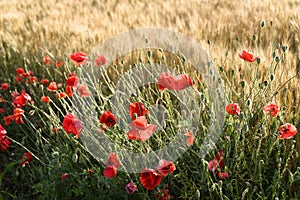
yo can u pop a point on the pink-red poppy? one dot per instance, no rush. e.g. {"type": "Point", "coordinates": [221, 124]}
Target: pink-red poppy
{"type": "Point", "coordinates": [20, 71]}
{"type": "Point", "coordinates": [150, 178]}
{"type": "Point", "coordinates": [100, 60]}
{"type": "Point", "coordinates": [247, 56]}
{"type": "Point", "coordinates": [79, 58]}
{"type": "Point", "coordinates": [46, 99]}
{"type": "Point", "coordinates": [52, 87]}
{"type": "Point", "coordinates": [64, 176]}
{"type": "Point", "coordinates": [4, 86]}
{"type": "Point", "coordinates": [83, 91]}
{"type": "Point", "coordinates": [26, 158]}
{"type": "Point", "coordinates": [180, 82]}
{"type": "Point", "coordinates": [140, 129]}
{"type": "Point", "coordinates": [60, 95]}
{"type": "Point", "coordinates": [20, 100]}
{"type": "Point", "coordinates": [131, 188]}
{"type": "Point", "coordinates": [137, 109]}
{"type": "Point", "coordinates": [59, 63]}
{"type": "Point", "coordinates": [72, 125]}
{"type": "Point", "coordinates": [47, 60]}
{"type": "Point", "coordinates": [72, 80]}
{"type": "Point", "coordinates": [163, 194]}
{"type": "Point", "coordinates": [44, 81]}
{"type": "Point", "coordinates": [223, 175]}
{"type": "Point", "coordinates": [110, 172]}
{"type": "Point", "coordinates": [4, 141]}
{"type": "Point", "coordinates": [108, 119]}
{"type": "Point", "coordinates": [287, 131]}
{"type": "Point", "coordinates": [190, 138]}
{"type": "Point", "coordinates": [233, 109]}
{"type": "Point", "coordinates": [165, 167]}
{"type": "Point", "coordinates": [271, 109]}
{"type": "Point", "coordinates": [112, 164]}
{"type": "Point", "coordinates": [69, 90]}
{"type": "Point", "coordinates": [216, 163]}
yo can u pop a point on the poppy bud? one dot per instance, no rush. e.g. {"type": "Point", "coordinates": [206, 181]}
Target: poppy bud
{"type": "Point", "coordinates": [262, 24]}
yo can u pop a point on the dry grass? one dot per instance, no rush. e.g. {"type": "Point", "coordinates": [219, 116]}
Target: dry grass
{"type": "Point", "coordinates": [31, 28]}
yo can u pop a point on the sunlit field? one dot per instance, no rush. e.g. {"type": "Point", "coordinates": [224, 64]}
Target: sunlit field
{"type": "Point", "coordinates": [57, 124]}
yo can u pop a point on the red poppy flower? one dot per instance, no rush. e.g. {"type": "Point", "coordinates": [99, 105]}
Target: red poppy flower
{"type": "Point", "coordinates": [27, 74]}
{"type": "Point", "coordinates": [64, 176]}
{"type": "Point", "coordinates": [20, 100]}
{"type": "Point", "coordinates": [2, 110]}
{"type": "Point", "coordinates": [233, 109]}
{"type": "Point", "coordinates": [83, 90]}
{"type": "Point", "coordinates": [18, 114]}
{"type": "Point", "coordinates": [216, 163]}
{"type": "Point", "coordinates": [165, 167]}
{"type": "Point", "coordinates": [90, 171]}
{"type": "Point", "coordinates": [247, 56]}
{"type": "Point", "coordinates": [271, 109]}
{"type": "Point", "coordinates": [113, 160]}
{"type": "Point", "coordinates": [46, 99]}
{"type": "Point", "coordinates": [100, 60]}
{"type": "Point", "coordinates": [4, 141]}
{"type": "Point", "coordinates": [19, 79]}
{"type": "Point", "coordinates": [72, 80]}
{"type": "Point", "coordinates": [137, 109]}
{"type": "Point", "coordinates": [108, 119]}
{"type": "Point", "coordinates": [69, 91]}
{"type": "Point", "coordinates": [222, 175]}
{"type": "Point", "coordinates": [8, 119]}
{"type": "Point", "coordinates": [72, 125]}
{"type": "Point", "coordinates": [60, 95]}
{"type": "Point", "coordinates": [287, 131]}
{"type": "Point", "coordinates": [131, 188]}
{"type": "Point", "coordinates": [140, 129]}
{"type": "Point", "coordinates": [165, 80]}
{"type": "Point", "coordinates": [190, 138]}
{"type": "Point", "coordinates": [26, 158]}
{"type": "Point", "coordinates": [47, 60]}
{"type": "Point", "coordinates": [20, 71]}
{"type": "Point", "coordinates": [44, 81]}
{"type": "Point", "coordinates": [110, 172]}
{"type": "Point", "coordinates": [59, 63]}
{"type": "Point", "coordinates": [79, 58]}
{"type": "Point", "coordinates": [163, 194]}
{"type": "Point", "coordinates": [4, 86]}
{"type": "Point", "coordinates": [150, 178]}
{"type": "Point", "coordinates": [52, 87]}
{"type": "Point", "coordinates": [2, 100]}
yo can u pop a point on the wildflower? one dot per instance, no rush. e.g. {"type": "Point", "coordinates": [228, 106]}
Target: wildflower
{"type": "Point", "coordinates": [4, 86]}
{"type": "Point", "coordinates": [64, 176]}
{"type": "Point", "coordinates": [137, 109]}
{"type": "Point", "coordinates": [72, 125]}
{"type": "Point", "coordinates": [190, 138]}
{"type": "Point", "coordinates": [72, 80]}
{"type": "Point", "coordinates": [287, 131]}
{"type": "Point", "coordinates": [46, 99]}
{"type": "Point", "coordinates": [150, 178]}
{"type": "Point", "coordinates": [108, 119]}
{"type": "Point", "coordinates": [218, 162]}
{"type": "Point", "coordinates": [47, 60]}
{"type": "Point", "coordinates": [26, 158]}
{"type": "Point", "coordinates": [4, 141]}
{"type": "Point", "coordinates": [20, 71]}
{"type": "Point", "coordinates": [110, 172]}
{"type": "Point", "coordinates": [2, 110]}
{"type": "Point", "coordinates": [44, 81]}
{"type": "Point", "coordinates": [79, 58]}
{"type": "Point", "coordinates": [60, 95]}
{"type": "Point", "coordinates": [112, 163]}
{"type": "Point", "coordinates": [233, 109]}
{"type": "Point", "coordinates": [131, 188]}
{"type": "Point", "coordinates": [18, 114]}
{"type": "Point", "coordinates": [222, 175]}
{"type": "Point", "coordinates": [83, 90]}
{"type": "Point", "coordinates": [271, 109]}
{"type": "Point", "coordinates": [163, 194]}
{"type": "Point", "coordinates": [52, 87]}
{"type": "Point", "coordinates": [165, 80]}
{"type": "Point", "coordinates": [19, 100]}
{"type": "Point", "coordinates": [247, 56]}
{"type": "Point", "coordinates": [59, 63]}
{"type": "Point", "coordinates": [100, 60]}
{"type": "Point", "coordinates": [165, 167]}
{"type": "Point", "coordinates": [140, 129]}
